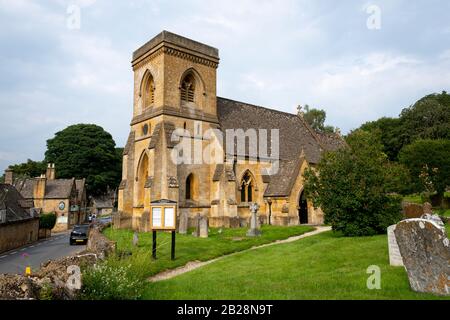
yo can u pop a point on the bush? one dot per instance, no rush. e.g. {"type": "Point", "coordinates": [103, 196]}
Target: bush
{"type": "Point", "coordinates": [355, 187]}
{"type": "Point", "coordinates": [107, 282]}
{"type": "Point", "coordinates": [47, 221]}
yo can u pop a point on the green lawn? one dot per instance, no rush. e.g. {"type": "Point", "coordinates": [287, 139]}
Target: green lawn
{"type": "Point", "coordinates": [189, 248]}
{"type": "Point", "coordinates": [325, 266]}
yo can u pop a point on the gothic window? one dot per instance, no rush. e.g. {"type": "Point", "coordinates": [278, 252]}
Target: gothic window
{"type": "Point", "coordinates": [149, 91]}
{"type": "Point", "coordinates": [188, 88]}
{"type": "Point", "coordinates": [247, 188]}
{"type": "Point", "coordinates": [190, 187]}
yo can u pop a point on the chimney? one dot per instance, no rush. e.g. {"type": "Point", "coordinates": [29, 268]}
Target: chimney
{"type": "Point", "coordinates": [50, 174]}
{"type": "Point", "coordinates": [39, 188]}
{"type": "Point", "coordinates": [8, 176]}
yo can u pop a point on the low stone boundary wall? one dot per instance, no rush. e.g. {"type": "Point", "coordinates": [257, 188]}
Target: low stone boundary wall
{"type": "Point", "coordinates": [52, 280]}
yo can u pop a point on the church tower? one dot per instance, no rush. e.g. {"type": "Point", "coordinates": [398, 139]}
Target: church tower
{"type": "Point", "coordinates": [174, 88]}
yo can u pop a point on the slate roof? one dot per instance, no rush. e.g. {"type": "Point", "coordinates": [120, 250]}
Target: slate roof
{"type": "Point", "coordinates": [330, 141]}
{"type": "Point", "coordinates": [54, 189]}
{"type": "Point", "coordinates": [17, 208]}
{"type": "Point", "coordinates": [298, 141]}
{"type": "Point", "coordinates": [294, 134]}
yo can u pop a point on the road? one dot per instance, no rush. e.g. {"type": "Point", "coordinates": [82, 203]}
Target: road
{"type": "Point", "coordinates": [33, 255]}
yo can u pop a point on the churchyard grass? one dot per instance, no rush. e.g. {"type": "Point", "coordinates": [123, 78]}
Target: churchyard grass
{"type": "Point", "coordinates": [324, 266]}
{"type": "Point", "coordinates": [188, 248]}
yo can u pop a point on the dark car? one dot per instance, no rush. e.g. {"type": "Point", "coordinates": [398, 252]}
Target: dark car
{"type": "Point", "coordinates": [79, 234]}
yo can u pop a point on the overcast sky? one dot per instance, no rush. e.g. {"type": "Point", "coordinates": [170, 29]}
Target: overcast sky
{"type": "Point", "coordinates": [334, 55]}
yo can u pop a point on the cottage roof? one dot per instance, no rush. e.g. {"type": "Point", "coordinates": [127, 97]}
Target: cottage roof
{"type": "Point", "coordinates": [17, 208]}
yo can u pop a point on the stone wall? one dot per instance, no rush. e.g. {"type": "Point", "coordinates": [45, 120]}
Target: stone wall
{"type": "Point", "coordinates": [17, 234]}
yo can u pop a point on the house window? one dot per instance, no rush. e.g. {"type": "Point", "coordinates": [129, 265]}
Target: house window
{"type": "Point", "coordinates": [247, 188]}
{"type": "Point", "coordinates": [188, 88]}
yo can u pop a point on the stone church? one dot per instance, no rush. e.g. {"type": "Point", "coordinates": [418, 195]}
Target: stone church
{"type": "Point", "coordinates": [175, 99]}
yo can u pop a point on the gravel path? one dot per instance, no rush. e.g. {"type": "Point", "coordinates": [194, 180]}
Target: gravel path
{"type": "Point", "coordinates": [192, 265]}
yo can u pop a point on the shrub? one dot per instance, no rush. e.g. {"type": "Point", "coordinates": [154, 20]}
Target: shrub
{"type": "Point", "coordinates": [107, 282]}
{"type": "Point", "coordinates": [354, 187]}
{"type": "Point", "coordinates": [47, 221]}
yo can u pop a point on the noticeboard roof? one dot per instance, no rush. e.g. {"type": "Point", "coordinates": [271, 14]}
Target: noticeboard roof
{"type": "Point", "coordinates": [163, 201]}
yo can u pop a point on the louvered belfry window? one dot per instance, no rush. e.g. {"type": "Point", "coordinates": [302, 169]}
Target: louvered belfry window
{"type": "Point", "coordinates": [149, 93]}
{"type": "Point", "coordinates": [188, 89]}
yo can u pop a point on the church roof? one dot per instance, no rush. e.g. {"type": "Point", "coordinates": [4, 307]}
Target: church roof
{"type": "Point", "coordinates": [297, 140]}
{"type": "Point", "coordinates": [294, 134]}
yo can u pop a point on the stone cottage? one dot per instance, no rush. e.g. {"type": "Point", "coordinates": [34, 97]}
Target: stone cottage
{"type": "Point", "coordinates": [65, 197]}
{"type": "Point", "coordinates": [19, 225]}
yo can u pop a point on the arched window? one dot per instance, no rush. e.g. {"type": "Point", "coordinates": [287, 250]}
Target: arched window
{"type": "Point", "coordinates": [247, 188]}
{"type": "Point", "coordinates": [188, 88]}
{"type": "Point", "coordinates": [149, 91]}
{"type": "Point", "coordinates": [190, 187]}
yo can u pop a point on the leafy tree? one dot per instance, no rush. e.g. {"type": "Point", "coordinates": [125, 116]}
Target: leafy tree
{"type": "Point", "coordinates": [429, 163]}
{"type": "Point", "coordinates": [390, 132]}
{"type": "Point", "coordinates": [316, 119]}
{"type": "Point", "coordinates": [354, 188]}
{"type": "Point", "coordinates": [47, 221]}
{"type": "Point", "coordinates": [29, 169]}
{"type": "Point", "coordinates": [428, 118]}
{"type": "Point", "coordinates": [86, 151]}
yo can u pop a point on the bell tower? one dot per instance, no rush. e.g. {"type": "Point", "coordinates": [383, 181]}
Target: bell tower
{"type": "Point", "coordinates": [175, 75]}
{"type": "Point", "coordinates": [174, 88]}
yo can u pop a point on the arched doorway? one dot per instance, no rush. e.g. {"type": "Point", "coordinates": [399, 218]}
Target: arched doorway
{"type": "Point", "coordinates": [303, 209]}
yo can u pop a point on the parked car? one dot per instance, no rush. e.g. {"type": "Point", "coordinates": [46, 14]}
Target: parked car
{"type": "Point", "coordinates": [79, 234]}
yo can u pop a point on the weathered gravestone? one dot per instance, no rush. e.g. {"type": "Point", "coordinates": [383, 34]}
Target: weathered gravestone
{"type": "Point", "coordinates": [412, 210]}
{"type": "Point", "coordinates": [425, 251]}
{"type": "Point", "coordinates": [427, 208]}
{"type": "Point", "coordinates": [254, 230]}
{"type": "Point", "coordinates": [395, 258]}
{"type": "Point", "coordinates": [135, 239]}
{"type": "Point", "coordinates": [196, 232]}
{"type": "Point", "coordinates": [184, 221]}
{"type": "Point", "coordinates": [203, 227]}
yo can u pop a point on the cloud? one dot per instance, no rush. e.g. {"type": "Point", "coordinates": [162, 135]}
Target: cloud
{"type": "Point", "coordinates": [273, 53]}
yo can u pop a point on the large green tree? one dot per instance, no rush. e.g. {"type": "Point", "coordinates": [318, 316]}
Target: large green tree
{"type": "Point", "coordinates": [316, 119]}
{"type": "Point", "coordinates": [86, 151]}
{"type": "Point", "coordinates": [428, 118]}
{"type": "Point", "coordinates": [429, 163]}
{"type": "Point", "coordinates": [354, 187]}
{"type": "Point", "coordinates": [29, 169]}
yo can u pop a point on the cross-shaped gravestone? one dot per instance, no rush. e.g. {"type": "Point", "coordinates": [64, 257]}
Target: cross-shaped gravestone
{"type": "Point", "coordinates": [254, 230]}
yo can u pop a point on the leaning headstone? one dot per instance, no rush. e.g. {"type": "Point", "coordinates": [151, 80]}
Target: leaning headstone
{"type": "Point", "coordinates": [254, 230]}
{"type": "Point", "coordinates": [184, 220]}
{"type": "Point", "coordinates": [203, 227]}
{"type": "Point", "coordinates": [196, 232]}
{"type": "Point", "coordinates": [425, 250]}
{"type": "Point", "coordinates": [395, 258]}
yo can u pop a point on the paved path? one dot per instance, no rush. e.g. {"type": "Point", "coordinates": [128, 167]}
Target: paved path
{"type": "Point", "coordinates": [15, 261]}
{"type": "Point", "coordinates": [197, 264]}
